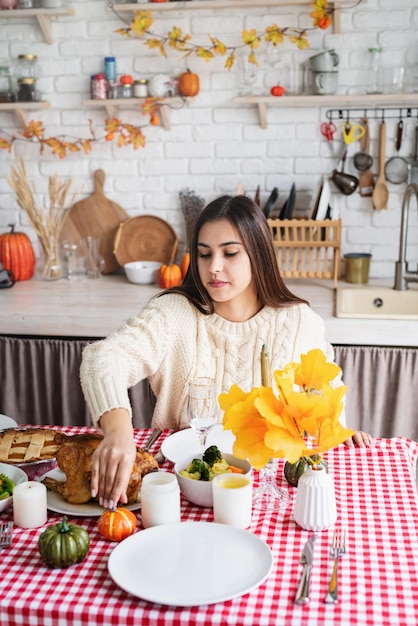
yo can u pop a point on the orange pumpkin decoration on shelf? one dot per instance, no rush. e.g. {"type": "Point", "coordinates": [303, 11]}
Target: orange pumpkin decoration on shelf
{"type": "Point", "coordinates": [16, 254]}
{"type": "Point", "coordinates": [188, 84]}
{"type": "Point", "coordinates": [117, 525]}
{"type": "Point", "coordinates": [169, 274]}
{"type": "Point", "coordinates": [184, 265]}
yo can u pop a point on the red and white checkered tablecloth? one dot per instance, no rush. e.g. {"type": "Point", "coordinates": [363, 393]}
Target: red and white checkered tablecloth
{"type": "Point", "coordinates": [378, 577]}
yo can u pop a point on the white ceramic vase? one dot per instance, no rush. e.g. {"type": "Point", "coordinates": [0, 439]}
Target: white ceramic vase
{"type": "Point", "coordinates": [315, 507]}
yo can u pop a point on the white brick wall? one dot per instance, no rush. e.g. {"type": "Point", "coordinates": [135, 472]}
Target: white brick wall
{"type": "Point", "coordinates": [213, 145]}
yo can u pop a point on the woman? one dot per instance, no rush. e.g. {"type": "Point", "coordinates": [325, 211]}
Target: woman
{"type": "Point", "coordinates": [232, 301]}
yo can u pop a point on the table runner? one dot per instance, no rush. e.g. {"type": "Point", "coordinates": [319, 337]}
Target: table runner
{"type": "Point", "coordinates": [378, 577]}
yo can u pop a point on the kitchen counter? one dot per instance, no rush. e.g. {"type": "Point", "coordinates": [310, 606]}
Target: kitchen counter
{"type": "Point", "coordinates": [95, 308]}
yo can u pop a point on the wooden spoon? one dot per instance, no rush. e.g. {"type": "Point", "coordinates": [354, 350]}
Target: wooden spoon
{"type": "Point", "coordinates": [381, 191]}
{"type": "Point", "coordinates": [366, 178]}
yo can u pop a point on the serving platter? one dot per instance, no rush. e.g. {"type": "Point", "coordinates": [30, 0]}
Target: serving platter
{"type": "Point", "coordinates": [190, 563]}
{"type": "Point", "coordinates": [185, 442]}
{"type": "Point", "coordinates": [57, 504]}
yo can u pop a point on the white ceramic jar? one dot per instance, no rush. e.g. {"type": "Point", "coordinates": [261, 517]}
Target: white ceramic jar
{"type": "Point", "coordinates": [160, 499]}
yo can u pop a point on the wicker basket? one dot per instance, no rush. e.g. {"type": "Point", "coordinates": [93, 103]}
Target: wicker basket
{"type": "Point", "coordinates": [307, 248]}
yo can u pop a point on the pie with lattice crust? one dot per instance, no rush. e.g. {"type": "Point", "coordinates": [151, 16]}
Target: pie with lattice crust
{"type": "Point", "coordinates": [27, 445]}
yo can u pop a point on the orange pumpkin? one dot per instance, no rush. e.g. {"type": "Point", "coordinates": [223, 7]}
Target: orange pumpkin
{"type": "Point", "coordinates": [117, 525]}
{"type": "Point", "coordinates": [169, 275]}
{"type": "Point", "coordinates": [188, 84]}
{"type": "Point", "coordinates": [16, 254]}
{"type": "Point", "coordinates": [184, 265]}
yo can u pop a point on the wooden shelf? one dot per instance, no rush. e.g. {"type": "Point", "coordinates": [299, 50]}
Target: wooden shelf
{"type": "Point", "coordinates": [228, 4]}
{"type": "Point", "coordinates": [333, 101]}
{"type": "Point", "coordinates": [112, 106]}
{"type": "Point", "coordinates": [42, 15]}
{"type": "Point", "coordinates": [21, 109]}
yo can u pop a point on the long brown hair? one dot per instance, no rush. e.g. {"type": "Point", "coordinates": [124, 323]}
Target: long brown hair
{"type": "Point", "coordinates": [249, 221]}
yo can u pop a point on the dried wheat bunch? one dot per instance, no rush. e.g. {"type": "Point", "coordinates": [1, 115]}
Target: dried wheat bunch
{"type": "Point", "coordinates": [191, 206]}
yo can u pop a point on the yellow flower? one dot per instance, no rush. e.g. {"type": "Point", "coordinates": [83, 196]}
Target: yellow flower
{"type": "Point", "coordinates": [301, 420]}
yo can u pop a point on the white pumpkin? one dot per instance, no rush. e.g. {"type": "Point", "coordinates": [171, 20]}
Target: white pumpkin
{"type": "Point", "coordinates": [160, 86]}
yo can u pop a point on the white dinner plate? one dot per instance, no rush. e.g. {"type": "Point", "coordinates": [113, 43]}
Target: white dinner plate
{"type": "Point", "coordinates": [190, 563]}
{"type": "Point", "coordinates": [56, 502]}
{"type": "Point", "coordinates": [7, 422]}
{"type": "Point", "coordinates": [186, 442]}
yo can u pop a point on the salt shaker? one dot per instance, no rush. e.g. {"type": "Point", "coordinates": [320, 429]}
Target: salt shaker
{"type": "Point", "coordinates": [160, 499]}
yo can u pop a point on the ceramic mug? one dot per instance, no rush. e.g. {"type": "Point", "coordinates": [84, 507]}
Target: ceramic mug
{"type": "Point", "coordinates": [325, 61]}
{"type": "Point", "coordinates": [325, 83]}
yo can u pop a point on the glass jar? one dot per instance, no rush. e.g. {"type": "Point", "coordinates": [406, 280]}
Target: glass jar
{"type": "Point", "coordinates": [160, 499]}
{"type": "Point", "coordinates": [374, 74]}
{"type": "Point", "coordinates": [127, 86]}
{"type": "Point", "coordinates": [6, 87]}
{"type": "Point", "coordinates": [26, 91]}
{"type": "Point", "coordinates": [99, 87]}
{"type": "Point", "coordinates": [110, 69]}
{"type": "Point", "coordinates": [26, 66]}
{"type": "Point", "coordinates": [141, 88]}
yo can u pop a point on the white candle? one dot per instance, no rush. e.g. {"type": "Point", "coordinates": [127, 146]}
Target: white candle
{"type": "Point", "coordinates": [160, 499]}
{"type": "Point", "coordinates": [232, 500]}
{"type": "Point", "coordinates": [29, 504]}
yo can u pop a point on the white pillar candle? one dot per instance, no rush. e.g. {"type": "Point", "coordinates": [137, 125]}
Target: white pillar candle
{"type": "Point", "coordinates": [232, 499]}
{"type": "Point", "coordinates": [160, 499]}
{"type": "Point", "coordinates": [29, 504]}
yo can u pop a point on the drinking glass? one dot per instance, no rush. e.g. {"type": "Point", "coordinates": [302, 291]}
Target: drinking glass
{"type": "Point", "coordinates": [269, 496]}
{"type": "Point", "coordinates": [202, 407]}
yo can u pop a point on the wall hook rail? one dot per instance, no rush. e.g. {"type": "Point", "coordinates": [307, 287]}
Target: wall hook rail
{"type": "Point", "coordinates": [399, 113]}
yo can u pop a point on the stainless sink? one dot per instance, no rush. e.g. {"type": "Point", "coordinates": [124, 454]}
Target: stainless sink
{"type": "Point", "coordinates": [364, 301]}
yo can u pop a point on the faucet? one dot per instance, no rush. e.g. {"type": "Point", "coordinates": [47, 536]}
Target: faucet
{"type": "Point", "coordinates": [403, 275]}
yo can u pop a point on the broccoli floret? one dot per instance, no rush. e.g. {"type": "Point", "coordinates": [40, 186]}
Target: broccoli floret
{"type": "Point", "coordinates": [199, 466]}
{"type": "Point", "coordinates": [212, 455]}
{"type": "Point", "coordinates": [6, 487]}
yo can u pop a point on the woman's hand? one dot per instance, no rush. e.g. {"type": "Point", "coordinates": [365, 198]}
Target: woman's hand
{"type": "Point", "coordinates": [113, 459]}
{"type": "Point", "coordinates": [359, 439]}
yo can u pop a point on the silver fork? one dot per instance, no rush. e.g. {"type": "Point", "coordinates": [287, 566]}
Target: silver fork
{"type": "Point", "coordinates": [6, 534]}
{"type": "Point", "coordinates": [337, 551]}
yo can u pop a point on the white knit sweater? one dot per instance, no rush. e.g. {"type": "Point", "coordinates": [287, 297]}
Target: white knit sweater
{"type": "Point", "coordinates": [170, 341]}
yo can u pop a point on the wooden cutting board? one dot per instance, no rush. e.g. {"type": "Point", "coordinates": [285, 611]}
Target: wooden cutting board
{"type": "Point", "coordinates": [95, 216]}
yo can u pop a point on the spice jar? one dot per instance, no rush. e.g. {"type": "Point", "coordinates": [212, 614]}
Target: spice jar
{"type": "Point", "coordinates": [6, 88]}
{"type": "Point", "coordinates": [26, 90]}
{"type": "Point", "coordinates": [99, 87]}
{"type": "Point", "coordinates": [127, 86]}
{"type": "Point", "coordinates": [26, 66]}
{"type": "Point", "coordinates": [141, 88]}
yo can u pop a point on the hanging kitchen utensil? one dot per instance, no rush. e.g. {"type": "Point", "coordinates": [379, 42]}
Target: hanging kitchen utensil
{"type": "Point", "coordinates": [346, 183]}
{"type": "Point", "coordinates": [328, 130]}
{"type": "Point", "coordinates": [271, 202]}
{"type": "Point", "coordinates": [381, 191]}
{"type": "Point", "coordinates": [366, 178]}
{"type": "Point", "coordinates": [363, 160]}
{"type": "Point", "coordinates": [352, 132]}
{"type": "Point", "coordinates": [397, 168]}
{"type": "Point", "coordinates": [413, 172]}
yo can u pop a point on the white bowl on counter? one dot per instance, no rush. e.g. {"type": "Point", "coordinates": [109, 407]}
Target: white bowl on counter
{"type": "Point", "coordinates": [200, 491]}
{"type": "Point", "coordinates": [142, 272]}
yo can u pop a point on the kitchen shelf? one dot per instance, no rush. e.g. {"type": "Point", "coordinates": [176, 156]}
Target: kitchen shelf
{"type": "Point", "coordinates": [112, 106]}
{"type": "Point", "coordinates": [228, 4]}
{"type": "Point", "coordinates": [21, 109]}
{"type": "Point", "coordinates": [42, 15]}
{"type": "Point", "coordinates": [334, 101]}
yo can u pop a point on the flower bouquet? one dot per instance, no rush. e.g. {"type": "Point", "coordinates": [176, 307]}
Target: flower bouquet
{"type": "Point", "coordinates": [300, 421]}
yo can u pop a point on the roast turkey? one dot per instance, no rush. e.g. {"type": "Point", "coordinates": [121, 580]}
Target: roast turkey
{"type": "Point", "coordinates": [74, 458]}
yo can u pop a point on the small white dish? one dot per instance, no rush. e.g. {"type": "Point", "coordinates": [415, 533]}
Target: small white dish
{"type": "Point", "coordinates": [200, 491]}
{"type": "Point", "coordinates": [15, 474]}
{"type": "Point", "coordinates": [186, 442]}
{"type": "Point", "coordinates": [142, 272]}
{"type": "Point", "coordinates": [7, 422]}
{"type": "Point", "coordinates": [190, 563]}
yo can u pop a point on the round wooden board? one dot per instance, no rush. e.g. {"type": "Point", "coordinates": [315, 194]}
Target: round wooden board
{"type": "Point", "coordinates": [144, 238]}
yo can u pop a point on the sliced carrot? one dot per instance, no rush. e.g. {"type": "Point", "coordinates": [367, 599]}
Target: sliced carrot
{"type": "Point", "coordinates": [235, 470]}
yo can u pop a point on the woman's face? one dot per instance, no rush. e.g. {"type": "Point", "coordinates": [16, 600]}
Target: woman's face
{"type": "Point", "coordinates": [225, 269]}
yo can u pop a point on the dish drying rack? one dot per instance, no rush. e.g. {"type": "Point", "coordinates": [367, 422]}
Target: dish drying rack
{"type": "Point", "coordinates": [307, 248]}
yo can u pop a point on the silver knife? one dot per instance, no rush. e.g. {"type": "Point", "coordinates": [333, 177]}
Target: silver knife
{"type": "Point", "coordinates": [302, 594]}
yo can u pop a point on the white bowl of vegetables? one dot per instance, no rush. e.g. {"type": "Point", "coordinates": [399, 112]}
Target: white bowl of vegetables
{"type": "Point", "coordinates": [195, 473]}
{"type": "Point", "coordinates": [10, 476]}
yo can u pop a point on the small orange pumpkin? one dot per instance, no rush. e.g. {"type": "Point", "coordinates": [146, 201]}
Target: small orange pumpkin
{"type": "Point", "coordinates": [188, 84]}
{"type": "Point", "coordinates": [184, 265]}
{"type": "Point", "coordinates": [16, 254]}
{"type": "Point", "coordinates": [117, 525]}
{"type": "Point", "coordinates": [169, 275]}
